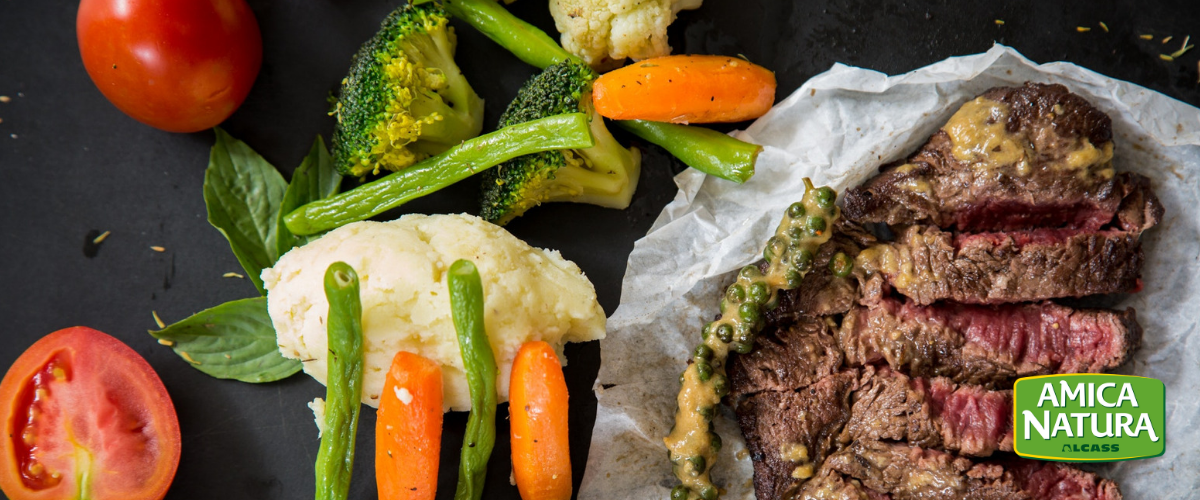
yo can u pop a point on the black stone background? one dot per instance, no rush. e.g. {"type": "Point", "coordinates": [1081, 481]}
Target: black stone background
{"type": "Point", "coordinates": [71, 164]}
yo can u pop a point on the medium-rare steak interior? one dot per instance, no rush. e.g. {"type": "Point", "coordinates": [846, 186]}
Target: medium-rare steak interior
{"type": "Point", "coordinates": [879, 383]}
{"type": "Point", "coordinates": [988, 345]}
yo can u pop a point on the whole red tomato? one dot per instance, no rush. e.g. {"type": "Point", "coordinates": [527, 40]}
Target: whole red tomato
{"type": "Point", "coordinates": [178, 65]}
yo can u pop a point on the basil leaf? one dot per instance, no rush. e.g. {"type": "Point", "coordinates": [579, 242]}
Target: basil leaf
{"type": "Point", "coordinates": [234, 340]}
{"type": "Point", "coordinates": [314, 179]}
{"type": "Point", "coordinates": [243, 193]}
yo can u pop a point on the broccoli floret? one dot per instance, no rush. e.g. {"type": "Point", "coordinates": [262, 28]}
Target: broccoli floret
{"type": "Point", "coordinates": [405, 98]}
{"type": "Point", "coordinates": [605, 174]}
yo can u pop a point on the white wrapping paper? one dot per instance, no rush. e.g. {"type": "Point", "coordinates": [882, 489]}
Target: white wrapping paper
{"type": "Point", "coordinates": [837, 129]}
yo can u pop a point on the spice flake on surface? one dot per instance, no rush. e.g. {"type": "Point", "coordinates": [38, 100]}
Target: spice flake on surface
{"type": "Point", "coordinates": [232, 275]}
{"type": "Point", "coordinates": [1146, 37]}
{"type": "Point", "coordinates": [168, 343]}
{"type": "Point", "coordinates": [1167, 39]}
{"type": "Point", "coordinates": [100, 239]}
{"type": "Point", "coordinates": [1104, 26]}
{"type": "Point", "coordinates": [1082, 29]}
{"type": "Point", "coordinates": [5, 99]}
{"type": "Point", "coordinates": [188, 357]}
{"type": "Point", "coordinates": [1166, 57]}
{"type": "Point", "coordinates": [157, 248]}
{"type": "Point", "coordinates": [999, 22]}
{"type": "Point", "coordinates": [158, 321]}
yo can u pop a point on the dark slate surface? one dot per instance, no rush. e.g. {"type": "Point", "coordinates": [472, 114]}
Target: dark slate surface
{"type": "Point", "coordinates": [71, 164]}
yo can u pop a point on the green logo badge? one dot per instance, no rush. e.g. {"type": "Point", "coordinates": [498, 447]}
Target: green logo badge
{"type": "Point", "coordinates": [1087, 417]}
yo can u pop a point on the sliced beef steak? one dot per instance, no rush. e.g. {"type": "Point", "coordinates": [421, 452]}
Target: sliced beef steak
{"type": "Point", "coordinates": [786, 359]}
{"type": "Point", "coordinates": [932, 413]}
{"type": "Point", "coordinates": [910, 472]}
{"type": "Point", "coordinates": [989, 345]}
{"type": "Point", "coordinates": [789, 433]}
{"type": "Point", "coordinates": [928, 265]}
{"type": "Point", "coordinates": [821, 293]}
{"type": "Point", "coordinates": [1013, 158]}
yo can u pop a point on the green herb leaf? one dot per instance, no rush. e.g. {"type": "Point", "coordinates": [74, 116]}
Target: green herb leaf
{"type": "Point", "coordinates": [234, 340]}
{"type": "Point", "coordinates": [243, 193]}
{"type": "Point", "coordinates": [314, 179]}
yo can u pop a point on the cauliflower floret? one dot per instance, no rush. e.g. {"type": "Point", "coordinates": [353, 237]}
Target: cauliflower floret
{"type": "Point", "coordinates": [604, 32]}
{"type": "Point", "coordinates": [529, 294]}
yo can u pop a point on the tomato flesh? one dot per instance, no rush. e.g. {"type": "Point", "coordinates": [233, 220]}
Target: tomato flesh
{"type": "Point", "coordinates": [86, 418]}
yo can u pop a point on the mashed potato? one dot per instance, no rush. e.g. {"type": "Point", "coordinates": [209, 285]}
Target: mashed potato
{"type": "Point", "coordinates": [529, 294]}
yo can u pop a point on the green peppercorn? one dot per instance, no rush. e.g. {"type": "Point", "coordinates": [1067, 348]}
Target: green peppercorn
{"type": "Point", "coordinates": [706, 331]}
{"type": "Point", "coordinates": [706, 412]}
{"type": "Point", "coordinates": [704, 352]}
{"type": "Point", "coordinates": [679, 493]}
{"type": "Point", "coordinates": [749, 313]}
{"type": "Point", "coordinates": [716, 442]}
{"type": "Point", "coordinates": [750, 272]}
{"type": "Point", "coordinates": [802, 259]}
{"type": "Point", "coordinates": [735, 293]}
{"type": "Point", "coordinates": [825, 197]}
{"type": "Point", "coordinates": [796, 210]}
{"type": "Point", "coordinates": [815, 225]}
{"type": "Point", "coordinates": [698, 463]}
{"type": "Point", "coordinates": [792, 279]}
{"type": "Point", "coordinates": [708, 493]}
{"type": "Point", "coordinates": [720, 384]}
{"type": "Point", "coordinates": [704, 371]}
{"type": "Point", "coordinates": [742, 347]}
{"type": "Point", "coordinates": [795, 233]}
{"type": "Point", "coordinates": [743, 330]}
{"type": "Point", "coordinates": [725, 333]}
{"type": "Point", "coordinates": [841, 265]}
{"type": "Point", "coordinates": [760, 293]}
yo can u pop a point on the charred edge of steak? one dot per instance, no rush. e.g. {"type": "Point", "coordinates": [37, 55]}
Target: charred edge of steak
{"type": "Point", "coordinates": [988, 345]}
{"type": "Point", "coordinates": [1035, 106]}
{"type": "Point", "coordinates": [789, 433]}
{"type": "Point", "coordinates": [912, 472]}
{"type": "Point", "coordinates": [821, 293]}
{"type": "Point", "coordinates": [936, 413]}
{"type": "Point", "coordinates": [933, 265]}
{"type": "Point", "coordinates": [786, 359]}
{"type": "Point", "coordinates": [934, 187]}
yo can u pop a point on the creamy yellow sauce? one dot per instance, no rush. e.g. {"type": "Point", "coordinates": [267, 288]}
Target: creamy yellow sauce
{"type": "Point", "coordinates": [790, 254]}
{"type": "Point", "coordinates": [894, 261]}
{"type": "Point", "coordinates": [979, 136]}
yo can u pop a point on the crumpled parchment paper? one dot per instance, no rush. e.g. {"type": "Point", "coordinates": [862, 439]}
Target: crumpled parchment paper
{"type": "Point", "coordinates": [837, 129]}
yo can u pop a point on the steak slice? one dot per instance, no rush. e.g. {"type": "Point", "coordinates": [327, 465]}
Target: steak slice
{"type": "Point", "coordinates": [927, 265]}
{"type": "Point", "coordinates": [789, 433]}
{"type": "Point", "coordinates": [1013, 158]}
{"type": "Point", "coordinates": [821, 293]}
{"type": "Point", "coordinates": [787, 359]}
{"type": "Point", "coordinates": [932, 413]}
{"type": "Point", "coordinates": [911, 472]}
{"type": "Point", "coordinates": [987, 345]}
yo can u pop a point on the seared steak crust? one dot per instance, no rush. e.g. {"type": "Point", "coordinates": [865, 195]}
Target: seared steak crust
{"type": "Point", "coordinates": [785, 360]}
{"type": "Point", "coordinates": [928, 265]}
{"type": "Point", "coordinates": [910, 472]}
{"type": "Point", "coordinates": [789, 433]}
{"type": "Point", "coordinates": [1063, 178]}
{"type": "Point", "coordinates": [987, 345]}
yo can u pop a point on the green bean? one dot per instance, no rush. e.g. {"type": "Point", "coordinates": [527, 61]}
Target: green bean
{"type": "Point", "coordinates": [343, 391]}
{"type": "Point", "coordinates": [466, 307]}
{"type": "Point", "coordinates": [525, 41]}
{"type": "Point", "coordinates": [569, 131]}
{"type": "Point", "coordinates": [703, 149]}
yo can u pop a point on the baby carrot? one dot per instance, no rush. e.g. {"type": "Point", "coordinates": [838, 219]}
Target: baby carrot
{"type": "Point", "coordinates": [685, 89]}
{"type": "Point", "coordinates": [408, 429]}
{"type": "Point", "coordinates": [537, 397]}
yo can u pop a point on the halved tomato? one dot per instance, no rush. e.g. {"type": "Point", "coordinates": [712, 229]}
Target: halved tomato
{"type": "Point", "coordinates": [85, 417]}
